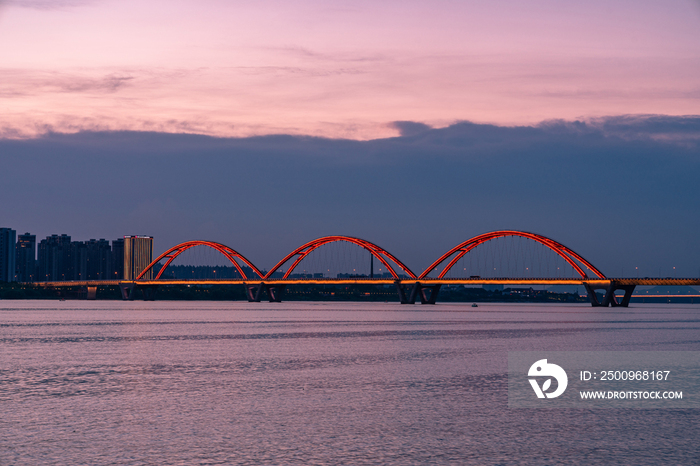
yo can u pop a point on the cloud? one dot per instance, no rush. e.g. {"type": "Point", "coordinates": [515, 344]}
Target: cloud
{"type": "Point", "coordinates": [307, 53]}
{"type": "Point", "coordinates": [671, 129]}
{"type": "Point", "coordinates": [110, 83]}
{"type": "Point", "coordinates": [409, 128]}
{"type": "Point", "coordinates": [48, 4]}
{"type": "Point", "coordinates": [298, 71]}
{"type": "Point", "coordinates": [21, 83]}
{"type": "Point", "coordinates": [607, 94]}
{"type": "Point", "coordinates": [659, 127]}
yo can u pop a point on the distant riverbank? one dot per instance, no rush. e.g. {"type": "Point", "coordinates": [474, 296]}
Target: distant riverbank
{"type": "Point", "coordinates": [359, 293]}
{"type": "Point", "coordinates": [350, 293]}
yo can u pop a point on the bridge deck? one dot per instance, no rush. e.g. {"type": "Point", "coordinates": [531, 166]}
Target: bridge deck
{"type": "Point", "coordinates": [387, 281]}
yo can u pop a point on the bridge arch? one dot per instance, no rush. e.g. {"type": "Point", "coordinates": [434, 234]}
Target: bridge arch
{"type": "Point", "coordinates": [463, 248]}
{"type": "Point", "coordinates": [304, 250]}
{"type": "Point", "coordinates": [175, 251]}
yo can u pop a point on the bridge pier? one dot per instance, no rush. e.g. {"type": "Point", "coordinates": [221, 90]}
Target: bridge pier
{"type": "Point", "coordinates": [409, 293]}
{"type": "Point", "coordinates": [274, 292]}
{"type": "Point", "coordinates": [431, 297]}
{"type": "Point", "coordinates": [129, 290]}
{"type": "Point", "coordinates": [253, 292]}
{"type": "Point", "coordinates": [91, 292]}
{"type": "Point", "coordinates": [609, 299]}
{"type": "Point", "coordinates": [148, 292]}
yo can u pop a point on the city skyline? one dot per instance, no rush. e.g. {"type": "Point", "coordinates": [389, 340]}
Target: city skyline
{"type": "Point", "coordinates": [31, 260]}
{"type": "Point", "coordinates": [58, 257]}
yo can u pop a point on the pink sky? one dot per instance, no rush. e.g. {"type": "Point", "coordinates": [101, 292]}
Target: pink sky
{"type": "Point", "coordinates": [339, 69]}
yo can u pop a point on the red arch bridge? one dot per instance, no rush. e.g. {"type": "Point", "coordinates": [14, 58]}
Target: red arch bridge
{"type": "Point", "coordinates": [411, 287]}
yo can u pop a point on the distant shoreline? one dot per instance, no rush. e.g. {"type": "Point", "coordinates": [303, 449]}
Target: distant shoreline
{"type": "Point", "coordinates": [329, 293]}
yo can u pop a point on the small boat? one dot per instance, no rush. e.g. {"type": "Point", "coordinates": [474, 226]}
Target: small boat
{"type": "Point", "coordinates": [474, 305]}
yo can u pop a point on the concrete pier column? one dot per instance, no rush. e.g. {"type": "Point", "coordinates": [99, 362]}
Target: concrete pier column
{"type": "Point", "coordinates": [609, 299]}
{"type": "Point", "coordinates": [148, 292]}
{"type": "Point", "coordinates": [407, 293]}
{"type": "Point", "coordinates": [431, 296]}
{"type": "Point", "coordinates": [254, 292]}
{"type": "Point", "coordinates": [275, 292]}
{"type": "Point", "coordinates": [127, 291]}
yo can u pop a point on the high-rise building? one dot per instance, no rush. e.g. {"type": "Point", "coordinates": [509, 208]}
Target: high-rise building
{"type": "Point", "coordinates": [138, 253]}
{"type": "Point", "coordinates": [25, 264]}
{"type": "Point", "coordinates": [7, 254]}
{"type": "Point", "coordinates": [63, 259]}
{"type": "Point", "coordinates": [79, 261]}
{"type": "Point", "coordinates": [117, 272]}
{"type": "Point", "coordinates": [99, 259]}
{"type": "Point", "coordinates": [55, 259]}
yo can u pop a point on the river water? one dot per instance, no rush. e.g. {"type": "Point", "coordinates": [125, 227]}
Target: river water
{"type": "Point", "coordinates": [184, 383]}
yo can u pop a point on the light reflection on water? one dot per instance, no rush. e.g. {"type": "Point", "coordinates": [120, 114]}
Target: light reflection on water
{"type": "Point", "coordinates": [318, 383]}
